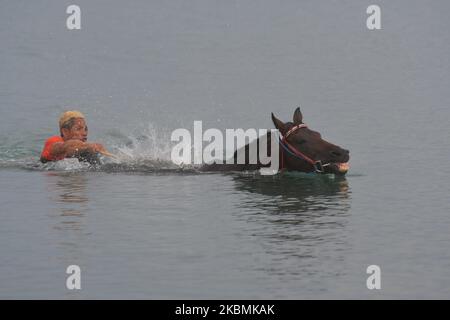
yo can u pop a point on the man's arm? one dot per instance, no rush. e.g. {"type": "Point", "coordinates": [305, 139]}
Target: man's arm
{"type": "Point", "coordinates": [71, 148]}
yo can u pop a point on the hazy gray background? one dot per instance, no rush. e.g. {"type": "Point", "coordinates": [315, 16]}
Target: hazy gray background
{"type": "Point", "coordinates": [139, 69]}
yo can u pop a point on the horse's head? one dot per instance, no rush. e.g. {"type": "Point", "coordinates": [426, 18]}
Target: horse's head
{"type": "Point", "coordinates": [303, 149]}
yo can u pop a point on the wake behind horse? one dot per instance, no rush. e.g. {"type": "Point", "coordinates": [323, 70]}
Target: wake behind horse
{"type": "Point", "coordinates": [300, 149]}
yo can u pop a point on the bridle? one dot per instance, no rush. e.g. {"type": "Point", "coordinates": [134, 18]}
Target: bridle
{"type": "Point", "coordinates": [317, 164]}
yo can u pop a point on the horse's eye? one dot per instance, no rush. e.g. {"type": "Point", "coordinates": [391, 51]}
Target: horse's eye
{"type": "Point", "coordinates": [301, 141]}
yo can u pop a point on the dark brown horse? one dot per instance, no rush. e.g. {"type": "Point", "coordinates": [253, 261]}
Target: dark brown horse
{"type": "Point", "coordinates": [300, 149]}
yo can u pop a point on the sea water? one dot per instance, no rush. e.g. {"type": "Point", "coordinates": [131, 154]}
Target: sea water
{"type": "Point", "coordinates": [141, 227]}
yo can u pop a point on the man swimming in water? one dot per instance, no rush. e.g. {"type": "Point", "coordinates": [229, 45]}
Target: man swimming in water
{"type": "Point", "coordinates": [72, 142]}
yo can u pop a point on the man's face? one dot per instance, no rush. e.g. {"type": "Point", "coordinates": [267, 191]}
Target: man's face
{"type": "Point", "coordinates": [79, 131]}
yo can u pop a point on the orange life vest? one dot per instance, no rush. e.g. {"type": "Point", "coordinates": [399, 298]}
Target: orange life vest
{"type": "Point", "coordinates": [46, 154]}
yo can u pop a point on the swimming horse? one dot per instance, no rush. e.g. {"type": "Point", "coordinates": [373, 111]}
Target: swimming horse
{"type": "Point", "coordinates": [300, 149]}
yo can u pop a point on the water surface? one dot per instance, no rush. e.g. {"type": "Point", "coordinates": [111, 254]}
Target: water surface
{"type": "Point", "coordinates": [142, 228]}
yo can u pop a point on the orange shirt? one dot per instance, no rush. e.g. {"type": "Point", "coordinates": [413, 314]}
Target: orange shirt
{"type": "Point", "coordinates": [46, 155]}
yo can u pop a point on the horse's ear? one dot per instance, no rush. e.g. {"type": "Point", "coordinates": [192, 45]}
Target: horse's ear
{"type": "Point", "coordinates": [298, 117]}
{"type": "Point", "coordinates": [279, 124]}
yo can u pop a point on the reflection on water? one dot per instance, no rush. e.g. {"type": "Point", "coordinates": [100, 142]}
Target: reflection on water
{"type": "Point", "coordinates": [297, 217]}
{"type": "Point", "coordinates": [68, 190]}
{"type": "Point", "coordinates": [295, 192]}
{"type": "Point", "coordinates": [291, 226]}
